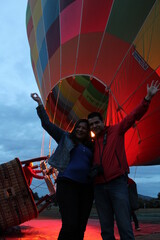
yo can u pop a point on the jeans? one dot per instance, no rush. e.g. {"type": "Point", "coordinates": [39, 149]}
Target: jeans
{"type": "Point", "coordinates": [111, 200]}
{"type": "Point", "coordinates": [75, 203]}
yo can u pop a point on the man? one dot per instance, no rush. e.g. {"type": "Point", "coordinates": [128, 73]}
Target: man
{"type": "Point", "coordinates": [111, 192]}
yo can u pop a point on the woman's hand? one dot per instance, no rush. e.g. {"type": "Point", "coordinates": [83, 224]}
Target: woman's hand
{"type": "Point", "coordinates": [36, 98]}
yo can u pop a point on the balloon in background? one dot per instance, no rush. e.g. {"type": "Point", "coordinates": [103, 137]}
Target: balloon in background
{"type": "Point", "coordinates": [90, 55]}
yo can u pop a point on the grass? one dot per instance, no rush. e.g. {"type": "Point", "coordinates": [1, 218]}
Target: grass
{"type": "Point", "coordinates": [148, 215]}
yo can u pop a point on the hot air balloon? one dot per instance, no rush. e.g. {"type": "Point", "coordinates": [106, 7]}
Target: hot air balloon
{"type": "Point", "coordinates": [90, 55]}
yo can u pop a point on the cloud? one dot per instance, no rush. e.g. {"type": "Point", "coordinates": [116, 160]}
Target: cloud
{"type": "Point", "coordinates": [147, 179]}
{"type": "Point", "coordinates": [149, 189]}
{"type": "Point", "coordinates": [16, 74]}
{"type": "Point", "coordinates": [21, 131]}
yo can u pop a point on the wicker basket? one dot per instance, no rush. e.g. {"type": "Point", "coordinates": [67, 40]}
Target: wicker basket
{"type": "Point", "coordinates": [16, 201]}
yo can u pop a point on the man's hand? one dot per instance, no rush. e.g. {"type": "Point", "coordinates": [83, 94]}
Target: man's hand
{"type": "Point", "coordinates": [36, 98]}
{"type": "Point", "coordinates": [152, 90]}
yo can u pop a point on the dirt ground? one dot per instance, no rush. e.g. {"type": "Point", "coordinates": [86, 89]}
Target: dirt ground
{"type": "Point", "coordinates": [149, 220]}
{"type": "Point", "coordinates": [155, 236]}
{"type": "Point", "coordinates": [48, 224]}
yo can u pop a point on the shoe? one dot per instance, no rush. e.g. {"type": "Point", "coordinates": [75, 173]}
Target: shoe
{"type": "Point", "coordinates": [137, 228]}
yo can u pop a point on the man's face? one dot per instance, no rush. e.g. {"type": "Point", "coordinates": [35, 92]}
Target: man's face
{"type": "Point", "coordinates": [96, 125]}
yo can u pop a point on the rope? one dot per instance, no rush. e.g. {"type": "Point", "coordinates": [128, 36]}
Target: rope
{"type": "Point", "coordinates": [73, 78]}
{"type": "Point", "coordinates": [101, 41]}
{"type": "Point", "coordinates": [38, 186]}
{"type": "Point", "coordinates": [79, 38]}
{"type": "Point", "coordinates": [42, 145]}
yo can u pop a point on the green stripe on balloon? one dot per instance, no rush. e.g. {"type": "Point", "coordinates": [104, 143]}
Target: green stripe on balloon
{"type": "Point", "coordinates": [124, 9]}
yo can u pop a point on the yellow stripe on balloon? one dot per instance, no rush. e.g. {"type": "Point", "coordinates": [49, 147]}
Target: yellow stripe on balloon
{"type": "Point", "coordinates": [37, 14]}
{"type": "Point", "coordinates": [35, 54]}
{"type": "Point", "coordinates": [68, 92]}
{"type": "Point", "coordinates": [147, 42]}
{"type": "Point", "coordinates": [80, 110]}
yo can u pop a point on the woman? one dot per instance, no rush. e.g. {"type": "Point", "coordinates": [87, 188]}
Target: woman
{"type": "Point", "coordinates": [72, 158]}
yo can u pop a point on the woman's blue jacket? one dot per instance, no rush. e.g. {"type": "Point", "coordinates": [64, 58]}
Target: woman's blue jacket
{"type": "Point", "coordinates": [61, 157]}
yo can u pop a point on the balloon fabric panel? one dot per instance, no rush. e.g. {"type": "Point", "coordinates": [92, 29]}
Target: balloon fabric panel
{"type": "Point", "coordinates": [148, 38]}
{"type": "Point", "coordinates": [127, 10]}
{"type": "Point", "coordinates": [50, 13]}
{"type": "Point", "coordinates": [53, 38]}
{"type": "Point", "coordinates": [65, 3]}
{"type": "Point", "coordinates": [69, 15]}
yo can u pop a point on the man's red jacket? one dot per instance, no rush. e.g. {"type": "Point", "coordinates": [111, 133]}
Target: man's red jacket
{"type": "Point", "coordinates": [114, 159]}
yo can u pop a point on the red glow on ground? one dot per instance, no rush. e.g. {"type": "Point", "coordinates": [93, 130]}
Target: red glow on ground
{"type": "Point", "coordinates": [49, 229]}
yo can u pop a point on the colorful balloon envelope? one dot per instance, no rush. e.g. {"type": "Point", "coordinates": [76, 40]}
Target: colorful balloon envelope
{"type": "Point", "coordinates": [90, 55]}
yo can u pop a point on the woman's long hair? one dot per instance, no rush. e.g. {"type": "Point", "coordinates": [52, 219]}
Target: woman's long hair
{"type": "Point", "coordinates": [87, 141]}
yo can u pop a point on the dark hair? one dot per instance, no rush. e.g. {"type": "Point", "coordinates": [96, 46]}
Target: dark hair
{"type": "Point", "coordinates": [87, 142]}
{"type": "Point", "coordinates": [95, 114]}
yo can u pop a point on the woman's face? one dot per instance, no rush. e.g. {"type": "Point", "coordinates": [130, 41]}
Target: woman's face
{"type": "Point", "coordinates": [81, 131]}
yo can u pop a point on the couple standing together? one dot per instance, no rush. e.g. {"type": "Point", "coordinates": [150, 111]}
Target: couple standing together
{"type": "Point", "coordinates": [74, 157]}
